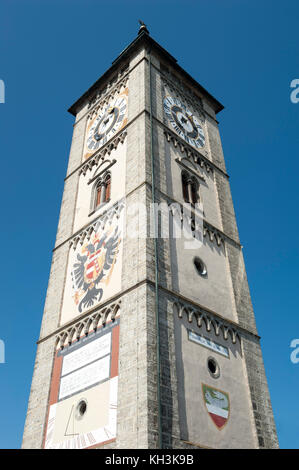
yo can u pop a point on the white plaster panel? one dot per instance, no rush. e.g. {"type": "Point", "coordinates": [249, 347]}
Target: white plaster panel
{"type": "Point", "coordinates": [94, 269]}
{"type": "Point", "coordinates": [83, 212]}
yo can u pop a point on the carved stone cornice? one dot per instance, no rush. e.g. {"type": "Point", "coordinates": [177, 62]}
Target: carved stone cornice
{"type": "Point", "coordinates": [190, 170]}
{"type": "Point", "coordinates": [103, 97]}
{"type": "Point", "coordinates": [219, 326]}
{"type": "Point", "coordinates": [98, 318]}
{"type": "Point", "coordinates": [177, 86]}
{"type": "Point", "coordinates": [101, 153]}
{"type": "Point", "coordinates": [213, 233]}
{"type": "Point", "coordinates": [192, 154]}
{"type": "Point", "coordinates": [105, 217]}
{"type": "Point", "coordinates": [194, 220]}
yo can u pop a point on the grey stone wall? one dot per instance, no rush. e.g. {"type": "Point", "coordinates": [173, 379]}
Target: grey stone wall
{"type": "Point", "coordinates": [261, 403]}
{"type": "Point", "coordinates": [132, 415]}
{"type": "Point", "coordinates": [39, 395]}
{"type": "Point", "coordinates": [264, 420]}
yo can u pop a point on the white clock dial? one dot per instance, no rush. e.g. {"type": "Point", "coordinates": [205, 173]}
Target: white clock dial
{"type": "Point", "coordinates": [109, 120]}
{"type": "Point", "coordinates": [184, 122]}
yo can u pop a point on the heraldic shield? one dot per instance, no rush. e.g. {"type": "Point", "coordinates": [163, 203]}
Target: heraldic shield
{"type": "Point", "coordinates": [217, 404]}
{"type": "Point", "coordinates": [93, 267]}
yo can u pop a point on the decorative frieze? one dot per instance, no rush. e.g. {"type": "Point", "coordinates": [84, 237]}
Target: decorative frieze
{"type": "Point", "coordinates": [213, 233]}
{"type": "Point", "coordinates": [217, 325]}
{"type": "Point", "coordinates": [100, 154]}
{"type": "Point", "coordinates": [175, 85]}
{"type": "Point", "coordinates": [104, 97]}
{"type": "Point", "coordinates": [191, 170]}
{"type": "Point", "coordinates": [192, 155]}
{"type": "Point", "coordinates": [91, 322]}
{"type": "Point", "coordinates": [104, 218]}
{"type": "Point", "coordinates": [196, 223]}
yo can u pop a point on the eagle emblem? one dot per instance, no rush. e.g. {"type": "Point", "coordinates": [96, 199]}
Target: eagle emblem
{"type": "Point", "coordinates": [93, 266]}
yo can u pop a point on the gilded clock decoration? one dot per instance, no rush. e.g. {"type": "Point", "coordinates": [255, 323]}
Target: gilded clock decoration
{"type": "Point", "coordinates": [106, 123]}
{"type": "Point", "coordinates": [184, 122]}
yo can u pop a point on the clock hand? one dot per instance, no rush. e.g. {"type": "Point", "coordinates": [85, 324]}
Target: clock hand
{"type": "Point", "coordinates": [183, 120]}
{"type": "Point", "coordinates": [109, 115]}
{"type": "Point", "coordinates": [66, 429]}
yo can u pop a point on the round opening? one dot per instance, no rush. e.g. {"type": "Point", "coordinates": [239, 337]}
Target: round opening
{"type": "Point", "coordinates": [81, 409]}
{"type": "Point", "coordinates": [200, 267]}
{"type": "Point", "coordinates": [213, 367]}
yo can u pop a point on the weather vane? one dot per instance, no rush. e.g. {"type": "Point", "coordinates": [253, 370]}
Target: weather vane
{"type": "Point", "coordinates": [142, 27]}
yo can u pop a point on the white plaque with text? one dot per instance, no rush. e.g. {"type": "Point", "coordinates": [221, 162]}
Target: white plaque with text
{"type": "Point", "coordinates": [90, 352]}
{"type": "Point", "coordinates": [208, 343]}
{"type": "Point", "coordinates": [85, 377]}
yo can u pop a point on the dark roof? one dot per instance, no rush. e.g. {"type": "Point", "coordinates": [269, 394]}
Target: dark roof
{"type": "Point", "coordinates": [146, 39]}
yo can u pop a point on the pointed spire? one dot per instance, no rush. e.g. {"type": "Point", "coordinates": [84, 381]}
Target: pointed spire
{"type": "Point", "coordinates": [142, 28]}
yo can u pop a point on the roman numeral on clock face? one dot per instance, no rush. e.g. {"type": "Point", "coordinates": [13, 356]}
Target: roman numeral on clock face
{"type": "Point", "coordinates": [120, 101]}
{"type": "Point", "coordinates": [185, 124]}
{"type": "Point", "coordinates": [168, 101]}
{"type": "Point", "coordinates": [200, 131]}
{"type": "Point", "coordinates": [106, 123]}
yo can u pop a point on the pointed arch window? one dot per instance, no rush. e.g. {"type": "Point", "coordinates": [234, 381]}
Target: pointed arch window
{"type": "Point", "coordinates": [98, 193]}
{"type": "Point", "coordinates": [107, 187]}
{"type": "Point", "coordinates": [190, 188]}
{"type": "Point", "coordinates": [101, 191]}
{"type": "Point", "coordinates": [185, 186]}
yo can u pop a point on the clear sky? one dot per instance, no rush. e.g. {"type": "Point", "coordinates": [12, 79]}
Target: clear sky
{"type": "Point", "coordinates": [246, 53]}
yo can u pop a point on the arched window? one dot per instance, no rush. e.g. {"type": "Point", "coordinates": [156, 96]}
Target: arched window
{"type": "Point", "coordinates": [185, 186]}
{"type": "Point", "coordinates": [194, 193]}
{"type": "Point", "coordinates": [98, 193]}
{"type": "Point", "coordinates": [189, 188]}
{"type": "Point", "coordinates": [107, 187]}
{"type": "Point", "coordinates": [102, 190]}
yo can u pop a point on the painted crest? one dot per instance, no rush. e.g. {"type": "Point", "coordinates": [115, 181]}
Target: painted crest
{"type": "Point", "coordinates": [217, 404]}
{"type": "Point", "coordinates": [94, 265]}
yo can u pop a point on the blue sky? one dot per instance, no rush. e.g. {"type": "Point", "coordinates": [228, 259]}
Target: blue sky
{"type": "Point", "coordinates": [245, 53]}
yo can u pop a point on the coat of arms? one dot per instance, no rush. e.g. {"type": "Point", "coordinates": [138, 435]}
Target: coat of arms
{"type": "Point", "coordinates": [94, 265]}
{"type": "Point", "coordinates": [217, 404]}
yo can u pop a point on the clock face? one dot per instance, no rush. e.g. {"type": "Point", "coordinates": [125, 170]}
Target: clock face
{"type": "Point", "coordinates": [106, 123]}
{"type": "Point", "coordinates": [184, 122]}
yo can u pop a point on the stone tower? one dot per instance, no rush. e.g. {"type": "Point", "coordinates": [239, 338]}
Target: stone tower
{"type": "Point", "coordinates": [146, 341]}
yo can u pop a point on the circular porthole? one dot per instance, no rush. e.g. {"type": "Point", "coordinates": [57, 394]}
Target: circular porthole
{"type": "Point", "coordinates": [213, 367]}
{"type": "Point", "coordinates": [200, 267]}
{"type": "Point", "coordinates": [81, 408]}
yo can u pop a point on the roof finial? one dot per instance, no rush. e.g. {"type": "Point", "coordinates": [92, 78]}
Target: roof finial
{"type": "Point", "coordinates": [142, 28]}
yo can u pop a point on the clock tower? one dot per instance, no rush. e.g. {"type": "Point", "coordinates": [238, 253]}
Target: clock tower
{"type": "Point", "coordinates": [148, 337]}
